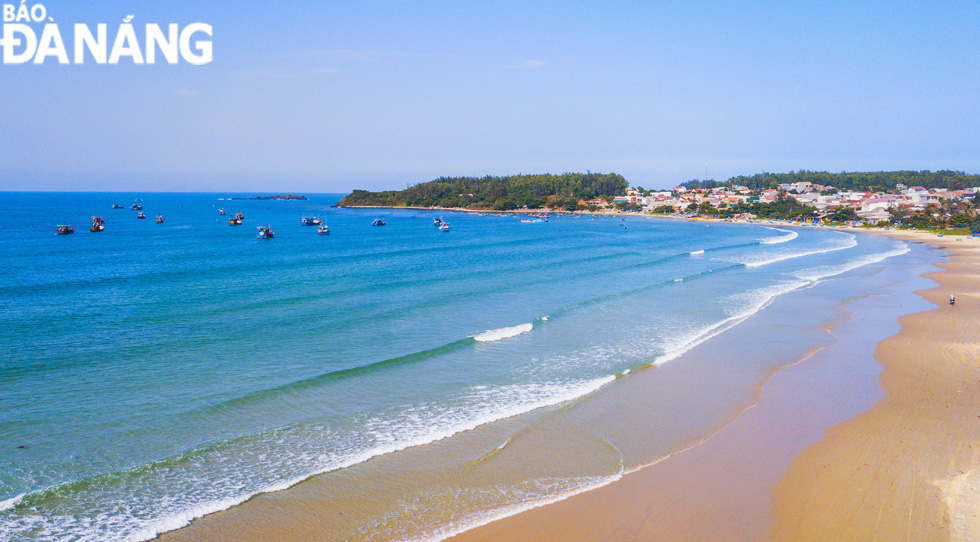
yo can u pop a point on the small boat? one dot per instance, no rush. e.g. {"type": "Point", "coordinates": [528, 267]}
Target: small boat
{"type": "Point", "coordinates": [141, 215]}
{"type": "Point", "coordinates": [65, 229]}
{"type": "Point", "coordinates": [323, 230]}
{"type": "Point", "coordinates": [136, 207]}
{"type": "Point", "coordinates": [265, 232]}
{"type": "Point", "coordinates": [98, 224]}
{"type": "Point", "coordinates": [221, 211]}
{"type": "Point", "coordinates": [236, 220]}
{"type": "Point", "coordinates": [378, 222]}
{"type": "Point", "coordinates": [159, 219]}
{"type": "Point", "coordinates": [116, 206]}
{"type": "Point", "coordinates": [437, 222]}
{"type": "Point", "coordinates": [311, 221]}
{"type": "Point", "coordinates": [444, 226]}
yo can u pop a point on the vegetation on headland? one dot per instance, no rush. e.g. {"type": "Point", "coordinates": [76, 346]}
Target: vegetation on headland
{"type": "Point", "coordinates": [871, 181]}
{"type": "Point", "coordinates": [594, 191]}
{"type": "Point", "coordinates": [563, 191]}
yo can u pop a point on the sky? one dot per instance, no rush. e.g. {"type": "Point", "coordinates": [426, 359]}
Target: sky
{"type": "Point", "coordinates": [329, 96]}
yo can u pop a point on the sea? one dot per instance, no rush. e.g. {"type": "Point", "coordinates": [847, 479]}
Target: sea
{"type": "Point", "coordinates": [426, 380]}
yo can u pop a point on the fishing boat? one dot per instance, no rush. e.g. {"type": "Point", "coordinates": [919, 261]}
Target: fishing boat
{"type": "Point", "coordinates": [265, 232]}
{"type": "Point", "coordinates": [311, 221]}
{"type": "Point", "coordinates": [98, 224]}
{"type": "Point", "coordinates": [116, 206]}
{"type": "Point", "coordinates": [159, 219]}
{"type": "Point", "coordinates": [136, 207]}
{"type": "Point", "coordinates": [236, 220]}
{"type": "Point", "coordinates": [437, 222]}
{"type": "Point", "coordinates": [444, 226]}
{"type": "Point", "coordinates": [323, 230]}
{"type": "Point", "coordinates": [378, 222]}
{"type": "Point", "coordinates": [141, 215]}
{"type": "Point", "coordinates": [65, 229]}
{"type": "Point", "coordinates": [221, 211]}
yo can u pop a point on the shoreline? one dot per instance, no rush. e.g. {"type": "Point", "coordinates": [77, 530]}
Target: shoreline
{"type": "Point", "coordinates": [708, 442]}
{"type": "Point", "coordinates": [914, 458]}
{"type": "Point", "coordinates": [669, 500]}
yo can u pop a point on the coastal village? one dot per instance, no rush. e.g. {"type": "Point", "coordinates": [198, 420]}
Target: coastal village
{"type": "Point", "coordinates": [867, 207]}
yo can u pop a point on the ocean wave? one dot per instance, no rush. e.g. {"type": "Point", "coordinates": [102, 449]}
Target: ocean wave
{"type": "Point", "coordinates": [790, 235]}
{"type": "Point", "coordinates": [520, 400]}
{"type": "Point", "coordinates": [10, 503]}
{"type": "Point", "coordinates": [696, 252]}
{"type": "Point", "coordinates": [818, 273]}
{"type": "Point", "coordinates": [760, 299]}
{"type": "Point", "coordinates": [851, 243]}
{"type": "Point", "coordinates": [415, 426]}
{"type": "Point", "coordinates": [494, 335]}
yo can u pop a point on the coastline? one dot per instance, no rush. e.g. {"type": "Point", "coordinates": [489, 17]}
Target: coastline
{"type": "Point", "coordinates": [904, 469]}
{"type": "Point", "coordinates": [714, 449]}
{"type": "Point", "coordinates": [908, 468]}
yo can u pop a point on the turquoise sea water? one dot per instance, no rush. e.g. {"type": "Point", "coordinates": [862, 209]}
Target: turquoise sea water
{"type": "Point", "coordinates": [153, 373]}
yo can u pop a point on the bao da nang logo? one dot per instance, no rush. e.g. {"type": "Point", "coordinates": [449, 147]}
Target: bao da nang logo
{"type": "Point", "coordinates": [30, 35]}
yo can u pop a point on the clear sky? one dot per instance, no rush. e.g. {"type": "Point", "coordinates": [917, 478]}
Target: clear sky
{"type": "Point", "coordinates": [327, 96]}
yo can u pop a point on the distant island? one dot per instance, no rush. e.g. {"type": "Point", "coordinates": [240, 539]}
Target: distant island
{"type": "Point", "coordinates": [563, 191]}
{"type": "Point", "coordinates": [281, 197]}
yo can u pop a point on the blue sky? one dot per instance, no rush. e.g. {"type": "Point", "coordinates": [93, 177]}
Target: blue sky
{"type": "Point", "coordinates": [331, 96]}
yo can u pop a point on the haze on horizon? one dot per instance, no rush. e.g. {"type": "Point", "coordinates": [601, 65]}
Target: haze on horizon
{"type": "Point", "coordinates": [328, 97]}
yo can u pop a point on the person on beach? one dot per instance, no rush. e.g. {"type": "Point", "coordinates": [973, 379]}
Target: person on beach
{"type": "Point", "coordinates": [952, 299]}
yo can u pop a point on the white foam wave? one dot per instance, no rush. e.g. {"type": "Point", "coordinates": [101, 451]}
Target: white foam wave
{"type": "Point", "coordinates": [695, 252]}
{"type": "Point", "coordinates": [830, 270]}
{"type": "Point", "coordinates": [851, 243]}
{"type": "Point", "coordinates": [790, 235]}
{"type": "Point", "coordinates": [480, 519]}
{"type": "Point", "coordinates": [519, 400]}
{"type": "Point", "coordinates": [762, 298]}
{"type": "Point", "coordinates": [503, 333]}
{"type": "Point", "coordinates": [10, 503]}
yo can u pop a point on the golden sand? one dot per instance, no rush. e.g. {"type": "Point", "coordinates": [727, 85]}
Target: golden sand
{"type": "Point", "coordinates": [909, 468]}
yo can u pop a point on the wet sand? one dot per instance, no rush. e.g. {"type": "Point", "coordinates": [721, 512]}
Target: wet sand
{"type": "Point", "coordinates": [906, 469]}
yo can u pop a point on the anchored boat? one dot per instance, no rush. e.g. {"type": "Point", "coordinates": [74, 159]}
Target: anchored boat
{"type": "Point", "coordinates": [265, 232]}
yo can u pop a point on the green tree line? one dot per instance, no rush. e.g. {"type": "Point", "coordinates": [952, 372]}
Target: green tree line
{"type": "Point", "coordinates": [497, 193]}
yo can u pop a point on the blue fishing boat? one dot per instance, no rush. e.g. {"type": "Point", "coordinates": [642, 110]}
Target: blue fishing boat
{"type": "Point", "coordinates": [378, 222]}
{"type": "Point", "coordinates": [265, 232]}
{"type": "Point", "coordinates": [323, 230]}
{"type": "Point", "coordinates": [311, 221]}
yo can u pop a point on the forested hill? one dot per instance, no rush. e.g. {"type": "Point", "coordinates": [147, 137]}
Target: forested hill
{"type": "Point", "coordinates": [497, 193]}
{"type": "Point", "coordinates": [875, 181]}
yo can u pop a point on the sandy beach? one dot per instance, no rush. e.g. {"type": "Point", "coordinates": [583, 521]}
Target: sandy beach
{"type": "Point", "coordinates": [906, 469]}
{"type": "Point", "coordinates": [909, 468]}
